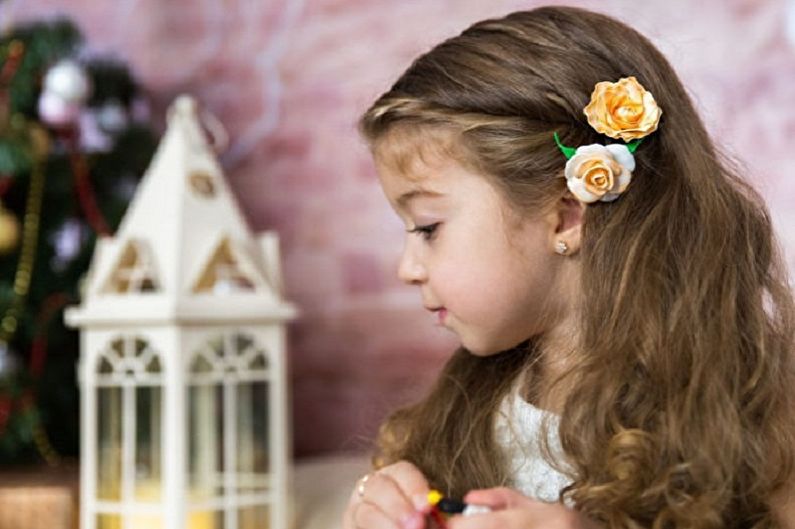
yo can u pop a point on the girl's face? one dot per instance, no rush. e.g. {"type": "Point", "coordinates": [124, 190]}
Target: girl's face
{"type": "Point", "coordinates": [489, 276]}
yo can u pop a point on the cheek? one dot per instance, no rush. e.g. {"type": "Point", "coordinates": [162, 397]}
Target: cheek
{"type": "Point", "coordinates": [458, 275]}
{"type": "Point", "coordinates": [477, 281]}
{"type": "Point", "coordinates": [523, 283]}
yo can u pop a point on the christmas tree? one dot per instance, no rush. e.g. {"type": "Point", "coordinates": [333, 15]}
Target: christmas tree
{"type": "Point", "coordinates": [74, 141]}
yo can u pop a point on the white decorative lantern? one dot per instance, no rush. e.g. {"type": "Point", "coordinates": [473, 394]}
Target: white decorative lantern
{"type": "Point", "coordinates": [182, 369]}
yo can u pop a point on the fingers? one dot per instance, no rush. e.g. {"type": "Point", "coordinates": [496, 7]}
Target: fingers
{"type": "Point", "coordinates": [384, 499]}
{"type": "Point", "coordinates": [497, 498]}
{"type": "Point", "coordinates": [363, 514]}
{"type": "Point", "coordinates": [494, 520]}
{"type": "Point", "coordinates": [511, 509]}
{"type": "Point", "coordinates": [368, 516]}
{"type": "Point", "coordinates": [411, 480]}
{"type": "Point", "coordinates": [393, 488]}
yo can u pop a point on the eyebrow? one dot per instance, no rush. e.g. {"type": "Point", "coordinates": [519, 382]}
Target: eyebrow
{"type": "Point", "coordinates": [408, 195]}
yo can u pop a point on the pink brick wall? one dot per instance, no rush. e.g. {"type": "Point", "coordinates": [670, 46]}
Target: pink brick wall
{"type": "Point", "coordinates": [289, 77]}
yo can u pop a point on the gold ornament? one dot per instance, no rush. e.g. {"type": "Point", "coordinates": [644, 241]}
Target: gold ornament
{"type": "Point", "coordinates": [27, 253]}
{"type": "Point", "coordinates": [39, 141]}
{"type": "Point", "coordinates": [9, 231]}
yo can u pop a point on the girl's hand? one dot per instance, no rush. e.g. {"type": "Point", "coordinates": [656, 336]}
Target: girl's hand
{"type": "Point", "coordinates": [513, 510]}
{"type": "Point", "coordinates": [394, 497]}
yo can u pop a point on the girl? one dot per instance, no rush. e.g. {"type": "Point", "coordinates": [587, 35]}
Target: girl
{"type": "Point", "coordinates": [625, 321]}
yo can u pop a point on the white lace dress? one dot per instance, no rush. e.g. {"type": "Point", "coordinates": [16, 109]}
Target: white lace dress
{"type": "Point", "coordinates": [518, 429]}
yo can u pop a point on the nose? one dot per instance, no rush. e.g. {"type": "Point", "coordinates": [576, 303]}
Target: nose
{"type": "Point", "coordinates": [410, 269]}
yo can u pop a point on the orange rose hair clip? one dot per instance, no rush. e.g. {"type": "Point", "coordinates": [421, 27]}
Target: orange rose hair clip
{"type": "Point", "coordinates": [621, 110]}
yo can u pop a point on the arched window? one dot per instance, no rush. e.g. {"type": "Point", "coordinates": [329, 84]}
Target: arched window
{"type": "Point", "coordinates": [228, 447]}
{"type": "Point", "coordinates": [129, 432]}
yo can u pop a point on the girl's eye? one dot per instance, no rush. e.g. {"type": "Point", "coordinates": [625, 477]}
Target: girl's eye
{"type": "Point", "coordinates": [427, 230]}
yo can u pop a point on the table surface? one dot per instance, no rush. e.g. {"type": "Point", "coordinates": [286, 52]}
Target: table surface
{"type": "Point", "coordinates": [319, 490]}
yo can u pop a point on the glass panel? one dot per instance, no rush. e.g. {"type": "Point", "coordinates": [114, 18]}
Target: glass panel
{"type": "Point", "coordinates": [108, 521]}
{"type": "Point", "coordinates": [148, 284]}
{"type": "Point", "coordinates": [120, 280]}
{"type": "Point", "coordinates": [258, 362]}
{"type": "Point", "coordinates": [144, 521]}
{"type": "Point", "coordinates": [139, 346]}
{"type": "Point", "coordinates": [154, 365]}
{"type": "Point", "coordinates": [253, 517]}
{"type": "Point", "coordinates": [148, 443]}
{"type": "Point", "coordinates": [117, 346]}
{"type": "Point", "coordinates": [105, 367]}
{"type": "Point", "coordinates": [200, 364]}
{"type": "Point", "coordinates": [109, 443]}
{"type": "Point", "coordinates": [223, 274]}
{"type": "Point", "coordinates": [207, 520]}
{"type": "Point", "coordinates": [242, 343]}
{"type": "Point", "coordinates": [216, 345]}
{"type": "Point", "coordinates": [133, 271]}
{"type": "Point", "coordinates": [252, 430]}
{"type": "Point", "coordinates": [205, 441]}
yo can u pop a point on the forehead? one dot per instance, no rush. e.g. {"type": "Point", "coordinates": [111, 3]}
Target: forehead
{"type": "Point", "coordinates": [416, 153]}
{"type": "Point", "coordinates": [415, 160]}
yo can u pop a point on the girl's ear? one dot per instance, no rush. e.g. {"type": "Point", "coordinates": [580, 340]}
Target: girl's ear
{"type": "Point", "coordinates": [566, 220]}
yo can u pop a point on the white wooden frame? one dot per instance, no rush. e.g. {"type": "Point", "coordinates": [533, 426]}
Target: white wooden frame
{"type": "Point", "coordinates": [174, 229]}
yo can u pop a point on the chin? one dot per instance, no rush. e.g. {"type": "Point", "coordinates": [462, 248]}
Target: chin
{"type": "Point", "coordinates": [484, 350]}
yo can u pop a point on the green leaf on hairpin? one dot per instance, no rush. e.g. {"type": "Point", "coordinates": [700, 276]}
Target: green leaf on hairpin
{"type": "Point", "coordinates": [568, 152]}
{"type": "Point", "coordinates": [633, 145]}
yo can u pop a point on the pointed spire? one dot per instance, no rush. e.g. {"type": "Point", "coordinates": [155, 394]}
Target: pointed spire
{"type": "Point", "coordinates": [184, 240]}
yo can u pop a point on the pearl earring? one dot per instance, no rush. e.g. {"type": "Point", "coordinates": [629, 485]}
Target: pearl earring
{"type": "Point", "coordinates": [561, 247]}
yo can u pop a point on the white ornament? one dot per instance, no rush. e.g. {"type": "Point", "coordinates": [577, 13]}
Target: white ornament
{"type": "Point", "coordinates": [112, 116]}
{"type": "Point", "coordinates": [56, 111]}
{"type": "Point", "coordinates": [92, 137]}
{"type": "Point", "coordinates": [9, 362]}
{"type": "Point", "coordinates": [66, 242]}
{"type": "Point", "coordinates": [9, 231]}
{"type": "Point", "coordinates": [68, 80]}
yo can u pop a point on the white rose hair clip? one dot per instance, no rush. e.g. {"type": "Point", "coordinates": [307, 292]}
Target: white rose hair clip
{"type": "Point", "coordinates": [622, 110]}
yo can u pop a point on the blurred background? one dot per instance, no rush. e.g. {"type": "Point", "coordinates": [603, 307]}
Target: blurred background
{"type": "Point", "coordinates": [288, 79]}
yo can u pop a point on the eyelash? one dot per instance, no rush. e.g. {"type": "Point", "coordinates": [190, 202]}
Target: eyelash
{"type": "Point", "coordinates": [427, 231]}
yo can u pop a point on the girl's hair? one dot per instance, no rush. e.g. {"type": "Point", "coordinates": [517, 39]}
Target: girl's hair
{"type": "Point", "coordinates": [683, 412]}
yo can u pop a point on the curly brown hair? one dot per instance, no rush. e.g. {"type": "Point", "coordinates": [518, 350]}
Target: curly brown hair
{"type": "Point", "coordinates": [683, 414]}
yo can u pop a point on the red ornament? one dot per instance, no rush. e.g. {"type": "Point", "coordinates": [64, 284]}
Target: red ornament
{"type": "Point", "coordinates": [5, 412]}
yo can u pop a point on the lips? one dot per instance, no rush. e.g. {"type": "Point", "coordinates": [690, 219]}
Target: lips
{"type": "Point", "coordinates": [441, 313]}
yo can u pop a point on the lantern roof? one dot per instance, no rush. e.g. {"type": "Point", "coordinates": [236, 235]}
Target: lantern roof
{"type": "Point", "coordinates": [183, 250]}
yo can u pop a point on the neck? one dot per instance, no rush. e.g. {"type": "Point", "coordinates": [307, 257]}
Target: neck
{"type": "Point", "coordinates": [557, 354]}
